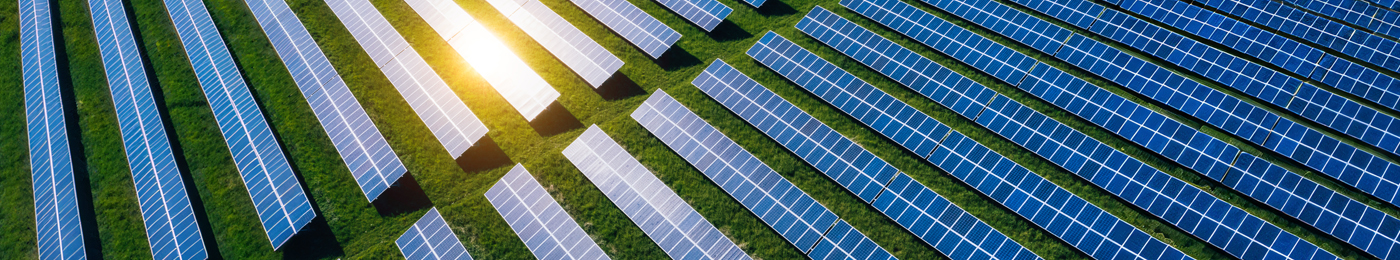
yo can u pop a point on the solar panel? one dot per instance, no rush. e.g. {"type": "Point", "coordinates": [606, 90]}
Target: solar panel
{"type": "Point", "coordinates": [1286, 191]}
{"type": "Point", "coordinates": [705, 13]}
{"type": "Point", "coordinates": [511, 77]}
{"type": "Point", "coordinates": [361, 146]}
{"type": "Point", "coordinates": [1319, 105]}
{"type": "Point", "coordinates": [431, 238]}
{"type": "Point", "coordinates": [171, 230]}
{"type": "Point", "coordinates": [676, 227]}
{"type": "Point", "coordinates": [277, 195]}
{"type": "Point", "coordinates": [454, 125]}
{"type": "Point", "coordinates": [871, 49]}
{"type": "Point", "coordinates": [582, 54]}
{"type": "Point", "coordinates": [59, 231]}
{"type": "Point", "coordinates": [1355, 12]}
{"type": "Point", "coordinates": [1001, 62]}
{"type": "Point", "coordinates": [785, 208]}
{"type": "Point", "coordinates": [844, 242]}
{"type": "Point", "coordinates": [1038, 34]}
{"type": "Point", "coordinates": [638, 27]}
{"type": "Point", "coordinates": [1321, 31]}
{"type": "Point", "coordinates": [539, 220]}
{"type": "Point", "coordinates": [856, 169]}
{"type": "Point", "coordinates": [1312, 148]}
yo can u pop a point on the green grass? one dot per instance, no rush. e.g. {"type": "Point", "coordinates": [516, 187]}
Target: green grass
{"type": "Point", "coordinates": [350, 227]}
{"type": "Point", "coordinates": [16, 193]}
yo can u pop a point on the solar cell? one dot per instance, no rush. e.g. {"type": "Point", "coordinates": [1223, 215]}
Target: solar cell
{"type": "Point", "coordinates": [931, 217]}
{"type": "Point", "coordinates": [582, 54]}
{"type": "Point", "coordinates": [511, 77]}
{"type": "Point", "coordinates": [58, 229]}
{"type": "Point", "coordinates": [785, 208]}
{"type": "Point", "coordinates": [361, 146]}
{"type": "Point", "coordinates": [539, 220]}
{"type": "Point", "coordinates": [277, 195]}
{"type": "Point", "coordinates": [454, 125]}
{"type": "Point", "coordinates": [171, 230]}
{"type": "Point", "coordinates": [681, 231]}
{"type": "Point", "coordinates": [1036, 33]}
{"type": "Point", "coordinates": [1355, 12]}
{"type": "Point", "coordinates": [638, 27]}
{"type": "Point", "coordinates": [704, 13]}
{"type": "Point", "coordinates": [870, 49]}
{"type": "Point", "coordinates": [431, 238]}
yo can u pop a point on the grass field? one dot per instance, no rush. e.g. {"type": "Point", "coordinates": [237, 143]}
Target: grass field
{"type": "Point", "coordinates": [349, 227]}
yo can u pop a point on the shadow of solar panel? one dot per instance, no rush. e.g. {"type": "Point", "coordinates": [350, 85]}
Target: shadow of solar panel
{"type": "Point", "coordinates": [431, 239]}
{"type": "Point", "coordinates": [630, 22]}
{"type": "Point", "coordinates": [508, 75]}
{"type": "Point", "coordinates": [918, 209]}
{"type": "Point", "coordinates": [539, 220]}
{"type": "Point", "coordinates": [171, 230]}
{"type": "Point", "coordinates": [1312, 148]}
{"type": "Point", "coordinates": [582, 54]}
{"type": "Point", "coordinates": [999, 61]}
{"type": "Point", "coordinates": [785, 208]}
{"type": "Point", "coordinates": [454, 125]}
{"type": "Point", "coordinates": [59, 231]}
{"type": "Point", "coordinates": [704, 13]}
{"type": "Point", "coordinates": [676, 227]}
{"type": "Point", "coordinates": [277, 195]}
{"type": "Point", "coordinates": [371, 161]}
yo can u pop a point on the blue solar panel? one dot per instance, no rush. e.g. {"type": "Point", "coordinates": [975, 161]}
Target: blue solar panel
{"type": "Point", "coordinates": [431, 239]}
{"type": "Point", "coordinates": [638, 27]}
{"type": "Point", "coordinates": [704, 13]}
{"type": "Point", "coordinates": [1303, 144]}
{"type": "Point", "coordinates": [857, 170]}
{"type": "Point", "coordinates": [1177, 202]}
{"type": "Point", "coordinates": [969, 157]}
{"type": "Point", "coordinates": [582, 54]}
{"type": "Point", "coordinates": [539, 220]}
{"type": "Point", "coordinates": [1324, 107]}
{"type": "Point", "coordinates": [1355, 12]}
{"type": "Point", "coordinates": [59, 231]}
{"type": "Point", "coordinates": [1081, 14]}
{"type": "Point", "coordinates": [1000, 18]}
{"type": "Point", "coordinates": [454, 125]}
{"type": "Point", "coordinates": [1000, 61]}
{"type": "Point", "coordinates": [844, 242]}
{"type": "Point", "coordinates": [1344, 218]}
{"type": "Point", "coordinates": [171, 229]}
{"type": "Point", "coordinates": [780, 204]}
{"type": "Point", "coordinates": [362, 147]}
{"type": "Point", "coordinates": [681, 231]}
{"type": "Point", "coordinates": [277, 195]}
{"type": "Point", "coordinates": [524, 89]}
{"type": "Point", "coordinates": [1321, 31]}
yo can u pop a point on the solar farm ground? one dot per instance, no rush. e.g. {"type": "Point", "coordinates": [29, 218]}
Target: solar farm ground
{"type": "Point", "coordinates": [349, 227]}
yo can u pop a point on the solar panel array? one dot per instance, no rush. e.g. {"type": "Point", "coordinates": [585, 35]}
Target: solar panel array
{"type": "Point", "coordinates": [801, 220]}
{"type": "Point", "coordinates": [539, 220]}
{"type": "Point", "coordinates": [705, 13]}
{"type": "Point", "coordinates": [362, 147]}
{"type": "Point", "coordinates": [171, 229]}
{"type": "Point", "coordinates": [680, 231]}
{"type": "Point", "coordinates": [914, 206]}
{"type": "Point", "coordinates": [633, 24]}
{"type": "Point", "coordinates": [277, 195]}
{"type": "Point", "coordinates": [1320, 31]}
{"type": "Point", "coordinates": [582, 54]}
{"type": "Point", "coordinates": [59, 231]}
{"type": "Point", "coordinates": [511, 77]}
{"type": "Point", "coordinates": [454, 125]}
{"type": "Point", "coordinates": [1305, 199]}
{"type": "Point", "coordinates": [431, 238]}
{"type": "Point", "coordinates": [1355, 12]}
